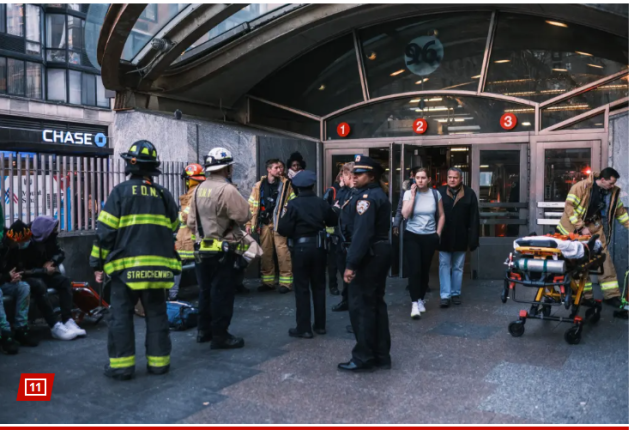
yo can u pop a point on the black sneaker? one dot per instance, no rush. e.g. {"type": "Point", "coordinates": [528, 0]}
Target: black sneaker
{"type": "Point", "coordinates": [445, 302]}
{"type": "Point", "coordinates": [294, 333]}
{"type": "Point", "coordinates": [7, 344]}
{"type": "Point", "coordinates": [456, 300]}
{"type": "Point", "coordinates": [265, 288]}
{"type": "Point", "coordinates": [25, 337]}
{"type": "Point", "coordinates": [614, 302]}
{"type": "Point", "coordinates": [342, 306]}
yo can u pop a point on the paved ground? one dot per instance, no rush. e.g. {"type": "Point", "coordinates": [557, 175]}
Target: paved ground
{"type": "Point", "coordinates": [457, 365]}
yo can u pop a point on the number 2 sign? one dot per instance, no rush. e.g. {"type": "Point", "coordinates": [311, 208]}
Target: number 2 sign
{"type": "Point", "coordinates": [420, 126]}
{"type": "Point", "coordinates": [508, 121]}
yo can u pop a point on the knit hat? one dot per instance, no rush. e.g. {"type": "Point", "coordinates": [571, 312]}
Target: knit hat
{"type": "Point", "coordinates": [19, 232]}
{"type": "Point", "coordinates": [42, 227]}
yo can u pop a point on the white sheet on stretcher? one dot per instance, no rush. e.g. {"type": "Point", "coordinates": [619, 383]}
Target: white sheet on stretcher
{"type": "Point", "coordinates": [569, 249]}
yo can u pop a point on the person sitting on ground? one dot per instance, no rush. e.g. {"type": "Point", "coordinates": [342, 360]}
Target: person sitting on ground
{"type": "Point", "coordinates": [11, 283]}
{"type": "Point", "coordinates": [41, 260]}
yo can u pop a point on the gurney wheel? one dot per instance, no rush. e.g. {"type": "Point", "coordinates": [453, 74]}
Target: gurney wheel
{"type": "Point", "coordinates": [516, 329]}
{"type": "Point", "coordinates": [572, 336]}
{"type": "Point", "coordinates": [592, 315]}
{"type": "Point", "coordinates": [505, 292]}
{"type": "Point", "coordinates": [546, 310]}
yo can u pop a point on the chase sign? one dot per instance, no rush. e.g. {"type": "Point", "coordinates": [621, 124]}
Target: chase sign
{"type": "Point", "coordinates": [75, 138]}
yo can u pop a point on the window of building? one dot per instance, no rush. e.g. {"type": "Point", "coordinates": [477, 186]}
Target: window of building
{"type": "Point", "coordinates": [76, 33]}
{"type": "Point", "coordinates": [3, 28]}
{"type": "Point", "coordinates": [15, 73]}
{"type": "Point", "coordinates": [538, 59]}
{"type": "Point", "coordinates": [3, 75]}
{"type": "Point", "coordinates": [102, 99]}
{"type": "Point", "coordinates": [88, 89]}
{"type": "Point", "coordinates": [152, 20]}
{"type": "Point", "coordinates": [75, 87]}
{"type": "Point", "coordinates": [56, 85]}
{"type": "Point", "coordinates": [34, 80]}
{"type": "Point", "coordinates": [15, 19]}
{"type": "Point", "coordinates": [56, 38]}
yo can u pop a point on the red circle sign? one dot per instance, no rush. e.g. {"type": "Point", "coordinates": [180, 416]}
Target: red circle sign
{"type": "Point", "coordinates": [508, 121]}
{"type": "Point", "coordinates": [343, 130]}
{"type": "Point", "coordinates": [420, 126]}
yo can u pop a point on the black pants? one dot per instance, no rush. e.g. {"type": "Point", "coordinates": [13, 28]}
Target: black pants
{"type": "Point", "coordinates": [121, 340]}
{"type": "Point", "coordinates": [217, 282]}
{"type": "Point", "coordinates": [368, 310]}
{"type": "Point", "coordinates": [60, 283]}
{"type": "Point", "coordinates": [309, 263]}
{"type": "Point", "coordinates": [341, 256]}
{"type": "Point", "coordinates": [332, 264]}
{"type": "Point", "coordinates": [419, 251]}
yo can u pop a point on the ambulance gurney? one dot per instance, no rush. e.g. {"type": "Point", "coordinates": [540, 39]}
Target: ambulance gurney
{"type": "Point", "coordinates": [624, 300]}
{"type": "Point", "coordinates": [559, 267]}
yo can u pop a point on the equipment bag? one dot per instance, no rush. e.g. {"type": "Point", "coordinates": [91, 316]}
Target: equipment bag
{"type": "Point", "coordinates": [182, 315]}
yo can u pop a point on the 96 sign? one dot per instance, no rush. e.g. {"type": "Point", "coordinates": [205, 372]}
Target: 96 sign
{"type": "Point", "coordinates": [35, 387]}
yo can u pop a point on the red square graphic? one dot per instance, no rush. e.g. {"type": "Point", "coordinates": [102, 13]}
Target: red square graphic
{"type": "Point", "coordinates": [35, 387]}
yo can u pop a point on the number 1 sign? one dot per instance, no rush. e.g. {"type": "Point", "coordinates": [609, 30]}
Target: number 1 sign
{"type": "Point", "coordinates": [343, 130]}
{"type": "Point", "coordinates": [420, 126]}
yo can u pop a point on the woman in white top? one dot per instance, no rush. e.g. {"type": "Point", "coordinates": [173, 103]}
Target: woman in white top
{"type": "Point", "coordinates": [422, 208]}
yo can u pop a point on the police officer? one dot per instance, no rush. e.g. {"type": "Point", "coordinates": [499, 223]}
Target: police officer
{"type": "Point", "coordinates": [134, 247]}
{"type": "Point", "coordinates": [345, 230]}
{"type": "Point", "coordinates": [216, 215]}
{"type": "Point", "coordinates": [305, 218]}
{"type": "Point", "coordinates": [368, 262]}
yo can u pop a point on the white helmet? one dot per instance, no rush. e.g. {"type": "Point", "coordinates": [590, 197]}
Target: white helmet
{"type": "Point", "coordinates": [217, 159]}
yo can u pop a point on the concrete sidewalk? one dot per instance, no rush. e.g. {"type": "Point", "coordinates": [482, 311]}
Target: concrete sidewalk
{"type": "Point", "coordinates": [457, 365]}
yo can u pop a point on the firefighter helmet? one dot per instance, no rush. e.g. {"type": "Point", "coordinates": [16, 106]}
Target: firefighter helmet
{"type": "Point", "coordinates": [142, 159]}
{"type": "Point", "coordinates": [194, 172]}
{"type": "Point", "coordinates": [217, 159]}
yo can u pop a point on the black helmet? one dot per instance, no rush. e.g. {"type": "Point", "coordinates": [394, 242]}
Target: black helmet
{"type": "Point", "coordinates": [142, 159]}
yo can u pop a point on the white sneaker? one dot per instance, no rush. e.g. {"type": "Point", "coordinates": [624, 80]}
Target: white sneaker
{"type": "Point", "coordinates": [62, 332]}
{"type": "Point", "coordinates": [415, 310]}
{"type": "Point", "coordinates": [421, 306]}
{"type": "Point", "coordinates": [71, 325]}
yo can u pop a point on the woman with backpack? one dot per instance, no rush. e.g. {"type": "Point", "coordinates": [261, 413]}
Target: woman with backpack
{"type": "Point", "coordinates": [423, 209]}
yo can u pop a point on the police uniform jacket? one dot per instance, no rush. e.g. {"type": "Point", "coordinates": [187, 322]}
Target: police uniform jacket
{"type": "Point", "coordinates": [306, 215]}
{"type": "Point", "coordinates": [345, 219]}
{"type": "Point", "coordinates": [371, 211]}
{"type": "Point", "coordinates": [134, 238]}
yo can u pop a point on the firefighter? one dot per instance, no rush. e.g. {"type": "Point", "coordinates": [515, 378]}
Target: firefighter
{"type": "Point", "coordinates": [134, 247]}
{"type": "Point", "coordinates": [216, 216]}
{"type": "Point", "coordinates": [193, 175]}
{"type": "Point", "coordinates": [268, 199]}
{"type": "Point", "coordinates": [590, 208]}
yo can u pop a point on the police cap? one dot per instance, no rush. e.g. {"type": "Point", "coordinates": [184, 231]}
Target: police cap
{"type": "Point", "coordinates": [365, 164]}
{"type": "Point", "coordinates": [304, 179]}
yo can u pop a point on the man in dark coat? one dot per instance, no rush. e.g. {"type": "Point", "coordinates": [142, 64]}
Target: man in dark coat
{"type": "Point", "coordinates": [461, 232]}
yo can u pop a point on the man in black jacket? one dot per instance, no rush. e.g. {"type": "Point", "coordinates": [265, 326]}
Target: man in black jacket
{"type": "Point", "coordinates": [461, 232]}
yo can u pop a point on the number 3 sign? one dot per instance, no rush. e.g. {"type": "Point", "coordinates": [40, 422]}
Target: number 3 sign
{"type": "Point", "coordinates": [420, 126]}
{"type": "Point", "coordinates": [508, 121]}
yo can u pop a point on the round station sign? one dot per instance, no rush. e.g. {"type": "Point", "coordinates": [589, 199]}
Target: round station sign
{"type": "Point", "coordinates": [420, 126]}
{"type": "Point", "coordinates": [508, 121]}
{"type": "Point", "coordinates": [343, 130]}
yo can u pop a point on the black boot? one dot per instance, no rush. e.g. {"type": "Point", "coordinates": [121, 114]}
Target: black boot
{"type": "Point", "coordinates": [283, 289]}
{"type": "Point", "coordinates": [334, 290]}
{"type": "Point", "coordinates": [265, 288]}
{"type": "Point", "coordinates": [294, 333]}
{"type": "Point", "coordinates": [226, 343]}
{"type": "Point", "coordinates": [614, 302]}
{"type": "Point", "coordinates": [7, 344]}
{"type": "Point", "coordinates": [117, 374]}
{"type": "Point", "coordinates": [158, 371]}
{"type": "Point", "coordinates": [342, 306]}
{"type": "Point", "coordinates": [25, 337]}
{"type": "Point", "coordinates": [204, 336]}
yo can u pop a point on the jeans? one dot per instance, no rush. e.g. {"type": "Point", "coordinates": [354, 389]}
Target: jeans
{"type": "Point", "coordinates": [62, 284]}
{"type": "Point", "coordinates": [20, 292]}
{"type": "Point", "coordinates": [451, 269]}
{"type": "Point", "coordinates": [419, 251]}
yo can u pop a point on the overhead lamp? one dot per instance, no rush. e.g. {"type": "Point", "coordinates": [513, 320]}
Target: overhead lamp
{"type": "Point", "coordinates": [442, 120]}
{"type": "Point", "coordinates": [526, 123]}
{"type": "Point", "coordinates": [477, 77]}
{"type": "Point", "coordinates": [415, 100]}
{"type": "Point", "coordinates": [436, 99]}
{"type": "Point", "coordinates": [460, 149]}
{"type": "Point", "coordinates": [484, 166]}
{"type": "Point", "coordinates": [372, 56]}
{"type": "Point", "coordinates": [502, 61]}
{"type": "Point", "coordinates": [395, 73]}
{"type": "Point", "coordinates": [562, 70]}
{"type": "Point", "coordinates": [556, 23]}
{"type": "Point", "coordinates": [595, 66]}
{"type": "Point", "coordinates": [583, 53]}
{"type": "Point", "coordinates": [322, 87]}
{"type": "Point", "coordinates": [419, 81]}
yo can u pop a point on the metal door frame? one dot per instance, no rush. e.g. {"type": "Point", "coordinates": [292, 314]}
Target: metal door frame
{"type": "Point", "coordinates": [329, 152]}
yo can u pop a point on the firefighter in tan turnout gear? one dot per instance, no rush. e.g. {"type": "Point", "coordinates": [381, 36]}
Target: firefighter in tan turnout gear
{"type": "Point", "coordinates": [590, 208]}
{"type": "Point", "coordinates": [268, 200]}
{"type": "Point", "coordinates": [217, 214]}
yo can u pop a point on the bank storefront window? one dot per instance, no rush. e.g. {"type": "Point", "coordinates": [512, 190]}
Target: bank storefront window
{"type": "Point", "coordinates": [425, 53]}
{"type": "Point", "coordinates": [445, 115]}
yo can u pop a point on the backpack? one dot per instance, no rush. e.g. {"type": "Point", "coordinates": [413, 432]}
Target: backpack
{"type": "Point", "coordinates": [182, 315]}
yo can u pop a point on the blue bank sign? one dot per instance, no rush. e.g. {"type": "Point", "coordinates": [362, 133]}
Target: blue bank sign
{"type": "Point", "coordinates": [74, 138]}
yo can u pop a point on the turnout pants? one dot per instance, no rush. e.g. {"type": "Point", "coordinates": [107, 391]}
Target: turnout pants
{"type": "Point", "coordinates": [270, 240]}
{"type": "Point", "coordinates": [121, 340]}
{"type": "Point", "coordinates": [309, 268]}
{"type": "Point", "coordinates": [217, 282]}
{"type": "Point", "coordinates": [609, 281]}
{"type": "Point", "coordinates": [368, 310]}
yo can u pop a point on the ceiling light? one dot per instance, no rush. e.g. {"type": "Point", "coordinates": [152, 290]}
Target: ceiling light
{"type": "Point", "coordinates": [477, 77]}
{"type": "Point", "coordinates": [562, 70]}
{"type": "Point", "coordinates": [322, 87]}
{"type": "Point", "coordinates": [526, 123]}
{"type": "Point", "coordinates": [372, 56]}
{"type": "Point", "coordinates": [415, 100]}
{"type": "Point", "coordinates": [442, 120]}
{"type": "Point", "coordinates": [460, 128]}
{"type": "Point", "coordinates": [436, 99]}
{"type": "Point", "coordinates": [595, 66]}
{"type": "Point", "coordinates": [458, 120]}
{"type": "Point", "coordinates": [502, 61]}
{"type": "Point", "coordinates": [599, 124]}
{"type": "Point", "coordinates": [397, 72]}
{"type": "Point", "coordinates": [419, 81]}
{"type": "Point", "coordinates": [583, 53]}
{"type": "Point", "coordinates": [484, 166]}
{"type": "Point", "coordinates": [460, 149]}
{"type": "Point", "coordinates": [556, 23]}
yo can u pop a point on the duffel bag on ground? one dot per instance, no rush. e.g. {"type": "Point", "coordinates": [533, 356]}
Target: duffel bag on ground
{"type": "Point", "coordinates": [182, 315]}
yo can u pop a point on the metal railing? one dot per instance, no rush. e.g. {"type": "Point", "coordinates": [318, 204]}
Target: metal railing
{"type": "Point", "coordinates": [72, 189]}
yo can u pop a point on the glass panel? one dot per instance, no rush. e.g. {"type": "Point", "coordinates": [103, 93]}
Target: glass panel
{"type": "Point", "coordinates": [152, 20]}
{"type": "Point", "coordinates": [320, 82]}
{"type": "Point", "coordinates": [78, 7]}
{"type": "Point", "coordinates": [15, 19]}
{"type": "Point", "coordinates": [76, 33]}
{"type": "Point", "coordinates": [95, 19]}
{"type": "Point", "coordinates": [34, 80]}
{"type": "Point", "coordinates": [103, 101]}
{"type": "Point", "coordinates": [57, 56]}
{"type": "Point", "coordinates": [562, 169]}
{"type": "Point", "coordinates": [381, 155]}
{"type": "Point", "coordinates": [337, 161]}
{"type": "Point", "coordinates": [582, 103]}
{"type": "Point", "coordinates": [2, 18]}
{"type": "Point", "coordinates": [270, 116]}
{"type": "Point", "coordinates": [595, 122]}
{"type": "Point", "coordinates": [423, 53]}
{"type": "Point", "coordinates": [33, 48]}
{"type": "Point", "coordinates": [538, 59]}
{"type": "Point", "coordinates": [56, 85]}
{"type": "Point", "coordinates": [15, 72]}
{"type": "Point", "coordinates": [56, 34]}
{"type": "Point", "coordinates": [33, 23]}
{"type": "Point", "coordinates": [88, 89]}
{"type": "Point", "coordinates": [445, 115]}
{"type": "Point", "coordinates": [499, 183]}
{"type": "Point", "coordinates": [3, 74]}
{"type": "Point", "coordinates": [75, 87]}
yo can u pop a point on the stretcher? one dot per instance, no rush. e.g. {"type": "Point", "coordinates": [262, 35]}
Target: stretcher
{"type": "Point", "coordinates": [559, 267]}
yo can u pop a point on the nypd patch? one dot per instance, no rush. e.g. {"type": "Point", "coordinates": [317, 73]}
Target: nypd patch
{"type": "Point", "coordinates": [362, 206]}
